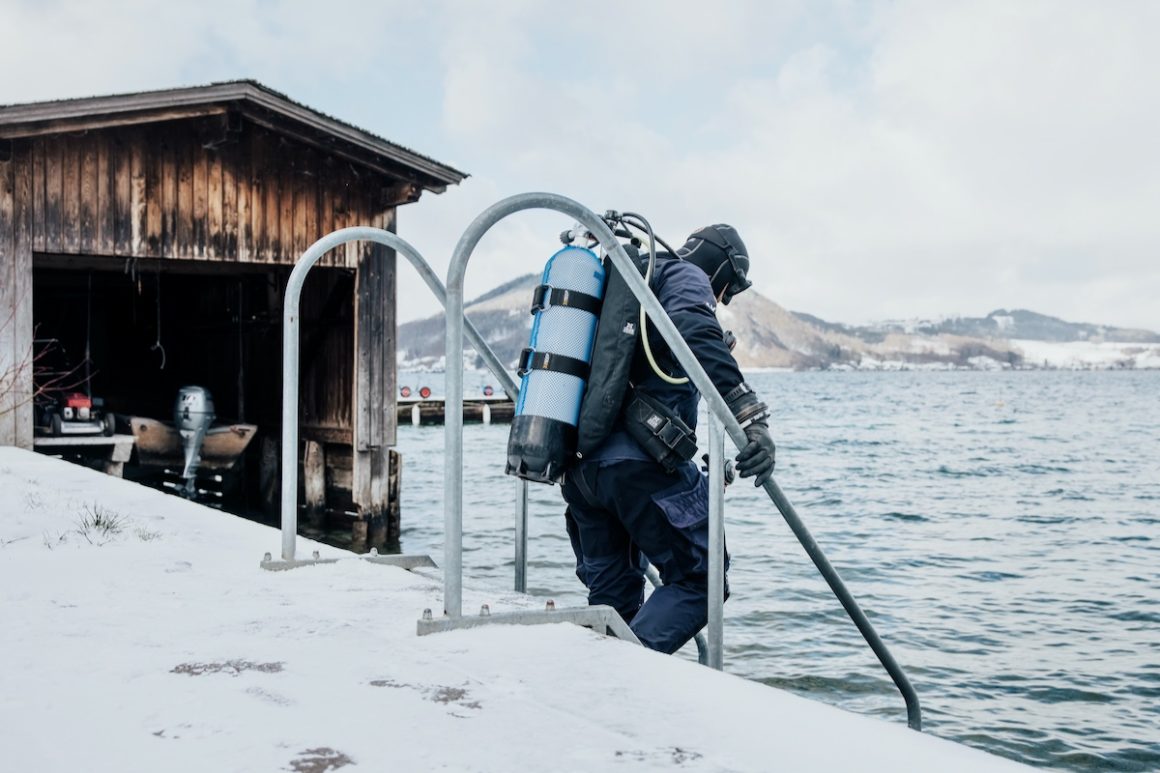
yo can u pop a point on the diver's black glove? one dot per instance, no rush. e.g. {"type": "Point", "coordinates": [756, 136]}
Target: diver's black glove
{"type": "Point", "coordinates": [759, 455]}
{"type": "Point", "coordinates": [756, 459]}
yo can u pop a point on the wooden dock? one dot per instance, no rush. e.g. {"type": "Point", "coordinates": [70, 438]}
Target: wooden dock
{"type": "Point", "coordinates": [476, 410]}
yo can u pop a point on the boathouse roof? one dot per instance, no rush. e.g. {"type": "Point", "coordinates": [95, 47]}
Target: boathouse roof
{"type": "Point", "coordinates": [246, 98]}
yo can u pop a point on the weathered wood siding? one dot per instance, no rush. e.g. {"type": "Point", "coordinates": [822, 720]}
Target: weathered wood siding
{"type": "Point", "coordinates": [16, 298]}
{"type": "Point", "coordinates": [375, 416]}
{"type": "Point", "coordinates": [194, 190]}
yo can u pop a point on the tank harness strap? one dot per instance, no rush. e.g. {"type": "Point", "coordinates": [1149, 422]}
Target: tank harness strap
{"type": "Point", "coordinates": [546, 295]}
{"type": "Point", "coordinates": [531, 360]}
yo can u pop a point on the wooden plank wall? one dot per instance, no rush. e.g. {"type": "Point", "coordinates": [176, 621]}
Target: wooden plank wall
{"type": "Point", "coordinates": [192, 190]}
{"type": "Point", "coordinates": [326, 355]}
{"type": "Point", "coordinates": [16, 354]}
{"type": "Point", "coordinates": [375, 418]}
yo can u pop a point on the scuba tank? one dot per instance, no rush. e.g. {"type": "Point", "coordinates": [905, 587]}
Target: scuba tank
{"type": "Point", "coordinates": [554, 368]}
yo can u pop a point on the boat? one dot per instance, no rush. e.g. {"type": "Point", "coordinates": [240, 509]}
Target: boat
{"type": "Point", "coordinates": [159, 443]}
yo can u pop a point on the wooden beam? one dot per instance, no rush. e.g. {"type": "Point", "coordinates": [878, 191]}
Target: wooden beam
{"type": "Point", "coordinates": [154, 165]}
{"type": "Point", "coordinates": [374, 398]}
{"type": "Point", "coordinates": [394, 497]}
{"type": "Point", "coordinates": [70, 197]}
{"type": "Point", "coordinates": [106, 206]}
{"type": "Point", "coordinates": [86, 225]}
{"type": "Point", "coordinates": [332, 435]}
{"type": "Point", "coordinates": [171, 197]}
{"type": "Point", "coordinates": [183, 242]}
{"type": "Point", "coordinates": [286, 192]}
{"type": "Point", "coordinates": [53, 194]}
{"type": "Point", "coordinates": [122, 170]}
{"type": "Point", "coordinates": [200, 210]}
{"type": "Point", "coordinates": [215, 222]}
{"type": "Point", "coordinates": [314, 482]}
{"type": "Point", "coordinates": [92, 123]}
{"type": "Point", "coordinates": [272, 206]}
{"type": "Point", "coordinates": [16, 377]}
{"type": "Point", "coordinates": [38, 175]}
{"type": "Point", "coordinates": [401, 193]}
{"type": "Point", "coordinates": [183, 267]}
{"type": "Point", "coordinates": [10, 360]}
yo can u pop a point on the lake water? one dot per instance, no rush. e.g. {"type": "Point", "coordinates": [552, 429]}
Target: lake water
{"type": "Point", "coordinates": [1002, 531]}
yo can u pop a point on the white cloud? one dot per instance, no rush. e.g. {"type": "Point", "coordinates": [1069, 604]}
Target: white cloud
{"type": "Point", "coordinates": [882, 159]}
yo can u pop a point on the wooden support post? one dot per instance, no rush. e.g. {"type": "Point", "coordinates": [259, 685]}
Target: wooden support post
{"type": "Point", "coordinates": [269, 480]}
{"type": "Point", "coordinates": [314, 481]}
{"type": "Point", "coordinates": [394, 488]}
{"type": "Point", "coordinates": [374, 387]}
{"type": "Point", "coordinates": [16, 355]}
{"type": "Point", "coordinates": [358, 534]}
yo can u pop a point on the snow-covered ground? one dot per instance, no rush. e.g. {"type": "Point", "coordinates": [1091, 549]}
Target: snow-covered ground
{"type": "Point", "coordinates": [138, 633]}
{"type": "Point", "coordinates": [1086, 355]}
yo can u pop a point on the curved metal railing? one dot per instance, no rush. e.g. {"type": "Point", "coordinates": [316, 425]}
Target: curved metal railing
{"type": "Point", "coordinates": [718, 410]}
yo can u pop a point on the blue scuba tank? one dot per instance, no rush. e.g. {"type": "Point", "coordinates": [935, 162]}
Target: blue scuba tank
{"type": "Point", "coordinates": [554, 368]}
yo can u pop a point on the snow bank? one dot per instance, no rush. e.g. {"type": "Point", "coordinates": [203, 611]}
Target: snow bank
{"type": "Point", "coordinates": [1088, 355]}
{"type": "Point", "coordinates": [139, 633]}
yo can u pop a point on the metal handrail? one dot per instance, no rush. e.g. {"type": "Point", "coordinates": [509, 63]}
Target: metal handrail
{"type": "Point", "coordinates": [453, 428]}
{"type": "Point", "coordinates": [290, 324]}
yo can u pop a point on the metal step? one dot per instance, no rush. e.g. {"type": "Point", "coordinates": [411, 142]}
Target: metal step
{"type": "Point", "coordinates": [600, 618]}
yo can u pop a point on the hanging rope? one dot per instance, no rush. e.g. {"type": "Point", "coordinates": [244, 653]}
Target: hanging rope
{"type": "Point", "coordinates": [157, 345]}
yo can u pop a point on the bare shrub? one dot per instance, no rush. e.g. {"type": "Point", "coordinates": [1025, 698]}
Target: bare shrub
{"type": "Point", "coordinates": [99, 525]}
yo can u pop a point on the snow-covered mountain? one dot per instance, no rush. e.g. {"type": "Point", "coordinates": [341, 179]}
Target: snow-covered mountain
{"type": "Point", "coordinates": [770, 336]}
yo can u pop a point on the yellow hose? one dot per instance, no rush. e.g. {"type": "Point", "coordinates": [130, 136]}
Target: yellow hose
{"type": "Point", "coordinates": [648, 354]}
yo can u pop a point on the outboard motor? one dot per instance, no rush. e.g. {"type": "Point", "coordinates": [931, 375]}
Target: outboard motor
{"type": "Point", "coordinates": [193, 415]}
{"type": "Point", "coordinates": [554, 367]}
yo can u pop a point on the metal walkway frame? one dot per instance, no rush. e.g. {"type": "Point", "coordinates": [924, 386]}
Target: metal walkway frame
{"type": "Point", "coordinates": [721, 422]}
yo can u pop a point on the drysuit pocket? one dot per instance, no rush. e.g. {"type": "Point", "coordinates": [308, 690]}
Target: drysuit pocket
{"type": "Point", "coordinates": [688, 506]}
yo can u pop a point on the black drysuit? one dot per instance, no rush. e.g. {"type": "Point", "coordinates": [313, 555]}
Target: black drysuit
{"type": "Point", "coordinates": [624, 509]}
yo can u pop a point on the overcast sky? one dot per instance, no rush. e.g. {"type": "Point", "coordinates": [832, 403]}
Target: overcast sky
{"type": "Point", "coordinates": [881, 159]}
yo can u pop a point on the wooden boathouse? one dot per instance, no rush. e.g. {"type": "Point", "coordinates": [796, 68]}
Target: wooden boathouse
{"type": "Point", "coordinates": [150, 235]}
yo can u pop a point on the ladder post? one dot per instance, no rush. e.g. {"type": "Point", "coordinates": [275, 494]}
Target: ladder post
{"type": "Point", "coordinates": [716, 601]}
{"type": "Point", "coordinates": [521, 536]}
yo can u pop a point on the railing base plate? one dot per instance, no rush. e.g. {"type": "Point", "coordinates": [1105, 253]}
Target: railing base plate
{"type": "Point", "coordinates": [600, 618]}
{"type": "Point", "coordinates": [404, 561]}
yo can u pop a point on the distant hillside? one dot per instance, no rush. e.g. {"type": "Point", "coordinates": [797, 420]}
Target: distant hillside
{"type": "Point", "coordinates": [502, 315]}
{"type": "Point", "coordinates": [769, 336]}
{"type": "Point", "coordinates": [1024, 325]}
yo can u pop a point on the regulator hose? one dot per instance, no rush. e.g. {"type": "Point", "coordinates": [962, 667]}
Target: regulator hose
{"type": "Point", "coordinates": [640, 223]}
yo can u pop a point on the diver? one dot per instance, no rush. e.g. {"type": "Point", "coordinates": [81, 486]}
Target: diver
{"type": "Point", "coordinates": [638, 497]}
